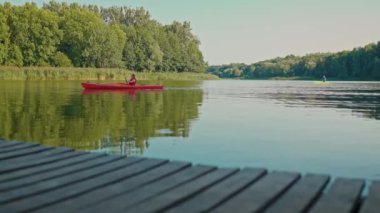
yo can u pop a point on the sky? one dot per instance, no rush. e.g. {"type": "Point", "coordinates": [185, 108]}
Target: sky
{"type": "Point", "coordinates": [248, 31]}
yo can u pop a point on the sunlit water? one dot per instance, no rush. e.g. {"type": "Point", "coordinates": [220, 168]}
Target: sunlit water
{"type": "Point", "coordinates": [303, 126]}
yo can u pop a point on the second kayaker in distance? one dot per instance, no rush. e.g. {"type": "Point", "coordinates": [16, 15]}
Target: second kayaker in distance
{"type": "Point", "coordinates": [133, 80]}
{"type": "Point", "coordinates": [324, 79]}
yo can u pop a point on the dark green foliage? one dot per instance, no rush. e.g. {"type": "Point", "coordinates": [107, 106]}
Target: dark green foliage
{"type": "Point", "coordinates": [152, 46]}
{"type": "Point", "coordinates": [89, 42]}
{"type": "Point", "coordinates": [360, 63]}
{"type": "Point", "coordinates": [141, 51]}
{"type": "Point", "coordinates": [61, 60]}
{"type": "Point", "coordinates": [35, 33]}
{"type": "Point", "coordinates": [180, 48]}
{"type": "Point", "coordinates": [14, 57]}
{"type": "Point", "coordinates": [61, 34]}
{"type": "Point", "coordinates": [4, 34]}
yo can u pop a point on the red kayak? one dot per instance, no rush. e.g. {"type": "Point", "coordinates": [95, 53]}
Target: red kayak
{"type": "Point", "coordinates": [119, 86]}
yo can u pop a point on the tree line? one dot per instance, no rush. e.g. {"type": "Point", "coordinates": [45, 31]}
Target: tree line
{"type": "Point", "coordinates": [359, 63]}
{"type": "Point", "coordinates": [64, 35]}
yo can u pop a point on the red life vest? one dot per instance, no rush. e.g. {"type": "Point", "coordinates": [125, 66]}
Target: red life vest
{"type": "Point", "coordinates": [132, 81]}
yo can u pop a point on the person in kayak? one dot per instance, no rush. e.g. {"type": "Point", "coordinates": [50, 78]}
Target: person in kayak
{"type": "Point", "coordinates": [324, 78]}
{"type": "Point", "coordinates": [133, 80]}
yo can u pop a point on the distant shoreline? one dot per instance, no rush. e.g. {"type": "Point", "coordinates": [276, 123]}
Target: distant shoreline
{"type": "Point", "coordinates": [302, 79]}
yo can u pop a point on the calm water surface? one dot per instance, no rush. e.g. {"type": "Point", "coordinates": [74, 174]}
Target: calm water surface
{"type": "Point", "coordinates": [281, 125]}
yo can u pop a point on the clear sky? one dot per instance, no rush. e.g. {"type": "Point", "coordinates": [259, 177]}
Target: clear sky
{"type": "Point", "coordinates": [252, 30]}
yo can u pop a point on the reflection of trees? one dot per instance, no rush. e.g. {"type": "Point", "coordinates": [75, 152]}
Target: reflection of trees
{"type": "Point", "coordinates": [50, 113]}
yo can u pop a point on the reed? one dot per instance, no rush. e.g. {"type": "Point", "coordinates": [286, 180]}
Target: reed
{"type": "Point", "coordinates": [74, 73]}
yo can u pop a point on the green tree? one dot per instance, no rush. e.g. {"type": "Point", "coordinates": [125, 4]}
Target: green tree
{"type": "Point", "coordinates": [362, 62]}
{"type": "Point", "coordinates": [78, 26]}
{"type": "Point", "coordinates": [4, 34]}
{"type": "Point", "coordinates": [89, 42]}
{"type": "Point", "coordinates": [61, 60]}
{"type": "Point", "coordinates": [181, 48]}
{"type": "Point", "coordinates": [61, 34]}
{"type": "Point", "coordinates": [141, 51]}
{"type": "Point", "coordinates": [35, 33]}
{"type": "Point", "coordinates": [14, 56]}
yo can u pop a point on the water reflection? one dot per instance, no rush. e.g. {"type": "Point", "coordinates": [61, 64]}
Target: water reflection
{"type": "Point", "coordinates": [131, 93]}
{"type": "Point", "coordinates": [363, 99]}
{"type": "Point", "coordinates": [61, 114]}
{"type": "Point", "coordinates": [124, 122]}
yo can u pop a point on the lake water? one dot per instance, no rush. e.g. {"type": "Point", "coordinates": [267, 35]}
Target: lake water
{"type": "Point", "coordinates": [304, 126]}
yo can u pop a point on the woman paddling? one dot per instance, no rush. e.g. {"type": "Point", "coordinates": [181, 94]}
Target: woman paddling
{"type": "Point", "coordinates": [133, 80]}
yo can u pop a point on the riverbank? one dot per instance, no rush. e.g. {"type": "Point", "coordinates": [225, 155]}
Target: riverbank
{"type": "Point", "coordinates": [71, 73]}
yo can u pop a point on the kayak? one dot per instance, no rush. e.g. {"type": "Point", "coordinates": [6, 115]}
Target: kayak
{"type": "Point", "coordinates": [119, 86]}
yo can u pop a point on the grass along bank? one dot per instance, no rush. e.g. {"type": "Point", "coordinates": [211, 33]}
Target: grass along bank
{"type": "Point", "coordinates": [71, 73]}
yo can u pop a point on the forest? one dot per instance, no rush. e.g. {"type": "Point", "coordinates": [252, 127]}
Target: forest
{"type": "Point", "coordinates": [73, 35]}
{"type": "Point", "coordinates": [361, 63]}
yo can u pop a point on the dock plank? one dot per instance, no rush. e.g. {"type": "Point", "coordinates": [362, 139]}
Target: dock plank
{"type": "Point", "coordinates": [300, 196]}
{"type": "Point", "coordinates": [260, 194]}
{"type": "Point", "coordinates": [222, 191]}
{"type": "Point", "coordinates": [17, 165]}
{"type": "Point", "coordinates": [117, 204]}
{"type": "Point", "coordinates": [181, 193]}
{"type": "Point", "coordinates": [23, 152]}
{"type": "Point", "coordinates": [78, 158]}
{"type": "Point", "coordinates": [16, 147]}
{"type": "Point", "coordinates": [41, 200]}
{"type": "Point", "coordinates": [20, 183]}
{"type": "Point", "coordinates": [7, 144]}
{"type": "Point", "coordinates": [108, 164]}
{"type": "Point", "coordinates": [372, 203]}
{"type": "Point", "coordinates": [343, 196]}
{"type": "Point", "coordinates": [37, 156]}
{"type": "Point", "coordinates": [124, 186]}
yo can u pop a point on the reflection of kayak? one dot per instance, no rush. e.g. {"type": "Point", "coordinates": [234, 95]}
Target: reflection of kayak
{"type": "Point", "coordinates": [119, 86]}
{"type": "Point", "coordinates": [119, 91]}
{"type": "Point", "coordinates": [321, 82]}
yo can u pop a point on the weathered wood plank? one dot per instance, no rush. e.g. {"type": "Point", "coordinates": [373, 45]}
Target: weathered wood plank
{"type": "Point", "coordinates": [108, 164]}
{"type": "Point", "coordinates": [45, 153]}
{"type": "Point", "coordinates": [116, 189]}
{"type": "Point", "coordinates": [259, 195]}
{"type": "Point", "coordinates": [121, 202]}
{"type": "Point", "coordinates": [37, 201]}
{"type": "Point", "coordinates": [300, 196]}
{"type": "Point", "coordinates": [78, 158]}
{"type": "Point", "coordinates": [22, 182]}
{"type": "Point", "coordinates": [36, 156]}
{"type": "Point", "coordinates": [343, 196]}
{"type": "Point", "coordinates": [17, 147]}
{"type": "Point", "coordinates": [217, 194]}
{"type": "Point", "coordinates": [23, 152]}
{"type": "Point", "coordinates": [40, 158]}
{"type": "Point", "coordinates": [181, 193]}
{"type": "Point", "coordinates": [372, 203]}
{"type": "Point", "coordinates": [7, 144]}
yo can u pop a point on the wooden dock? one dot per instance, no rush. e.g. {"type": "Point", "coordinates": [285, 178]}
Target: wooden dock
{"type": "Point", "coordinates": [37, 178]}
